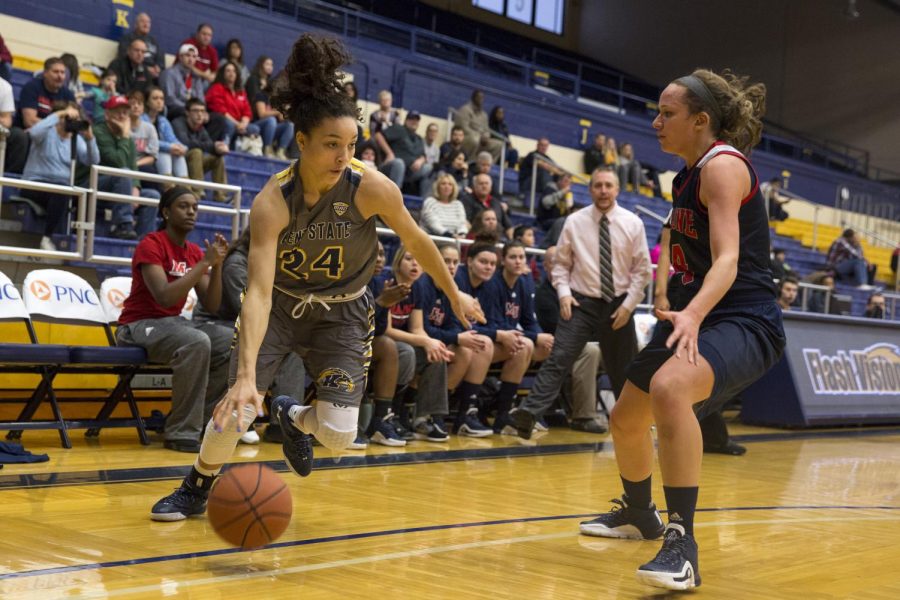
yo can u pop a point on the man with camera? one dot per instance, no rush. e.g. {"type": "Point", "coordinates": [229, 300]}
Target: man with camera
{"type": "Point", "coordinates": [50, 161]}
{"type": "Point", "coordinates": [117, 149]}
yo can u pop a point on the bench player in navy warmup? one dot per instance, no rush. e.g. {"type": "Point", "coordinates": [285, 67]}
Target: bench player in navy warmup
{"type": "Point", "coordinates": [720, 328]}
{"type": "Point", "coordinates": [313, 240]}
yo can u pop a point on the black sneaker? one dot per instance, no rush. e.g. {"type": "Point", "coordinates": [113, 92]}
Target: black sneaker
{"type": "Point", "coordinates": [626, 522]}
{"type": "Point", "coordinates": [187, 500]}
{"type": "Point", "coordinates": [431, 430]}
{"type": "Point", "coordinates": [504, 425]}
{"type": "Point", "coordinates": [402, 427]}
{"type": "Point", "coordinates": [272, 434]}
{"type": "Point", "coordinates": [297, 446]}
{"type": "Point", "coordinates": [523, 421]}
{"type": "Point", "coordinates": [675, 566]}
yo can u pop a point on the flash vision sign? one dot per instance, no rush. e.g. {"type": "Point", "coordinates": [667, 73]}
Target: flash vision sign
{"type": "Point", "coordinates": [873, 370]}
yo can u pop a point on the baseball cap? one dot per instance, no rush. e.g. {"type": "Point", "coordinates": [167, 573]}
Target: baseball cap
{"type": "Point", "coordinates": [185, 48]}
{"type": "Point", "coordinates": [413, 114]}
{"type": "Point", "coordinates": [115, 102]}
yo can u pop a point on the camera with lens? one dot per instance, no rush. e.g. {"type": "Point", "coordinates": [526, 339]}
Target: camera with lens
{"type": "Point", "coordinates": [76, 125]}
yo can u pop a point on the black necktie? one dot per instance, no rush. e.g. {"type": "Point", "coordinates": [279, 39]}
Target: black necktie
{"type": "Point", "coordinates": [607, 289]}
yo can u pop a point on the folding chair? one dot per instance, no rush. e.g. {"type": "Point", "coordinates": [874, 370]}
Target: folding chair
{"type": "Point", "coordinates": [44, 360]}
{"type": "Point", "coordinates": [61, 297]}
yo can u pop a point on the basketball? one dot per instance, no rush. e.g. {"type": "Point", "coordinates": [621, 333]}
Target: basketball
{"type": "Point", "coordinates": [249, 506]}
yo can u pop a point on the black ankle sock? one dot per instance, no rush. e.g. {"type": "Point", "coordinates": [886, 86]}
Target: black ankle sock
{"type": "Point", "coordinates": [681, 503]}
{"type": "Point", "coordinates": [199, 482]}
{"type": "Point", "coordinates": [382, 408]}
{"type": "Point", "coordinates": [507, 396]}
{"type": "Point", "coordinates": [467, 394]}
{"type": "Point", "coordinates": [637, 493]}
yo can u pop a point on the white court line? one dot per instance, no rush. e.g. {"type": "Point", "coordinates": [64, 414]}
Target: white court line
{"type": "Point", "coordinates": [175, 587]}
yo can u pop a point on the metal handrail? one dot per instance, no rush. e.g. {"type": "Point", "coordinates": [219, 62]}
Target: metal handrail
{"type": "Point", "coordinates": [870, 233]}
{"type": "Point", "coordinates": [458, 241]}
{"type": "Point", "coordinates": [79, 225]}
{"type": "Point", "coordinates": [534, 166]}
{"type": "Point", "coordinates": [650, 213]}
{"type": "Point", "coordinates": [805, 286]}
{"type": "Point", "coordinates": [94, 194]}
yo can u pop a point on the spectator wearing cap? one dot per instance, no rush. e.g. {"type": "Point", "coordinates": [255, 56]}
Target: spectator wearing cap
{"type": "Point", "coordinates": [204, 154]}
{"type": "Point", "coordinates": [131, 72]}
{"type": "Point", "coordinates": [179, 82]}
{"type": "Point", "coordinates": [164, 269]}
{"type": "Point", "coordinates": [409, 147]}
{"type": "Point", "coordinates": [117, 149]}
{"type": "Point", "coordinates": [207, 64]}
{"type": "Point", "coordinates": [154, 57]}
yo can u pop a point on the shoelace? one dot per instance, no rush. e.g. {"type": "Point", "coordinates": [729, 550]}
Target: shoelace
{"type": "Point", "coordinates": [306, 302]}
{"type": "Point", "coordinates": [671, 551]}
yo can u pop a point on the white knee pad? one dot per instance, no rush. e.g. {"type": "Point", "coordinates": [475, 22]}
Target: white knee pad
{"type": "Point", "coordinates": [218, 446]}
{"type": "Point", "coordinates": [334, 425]}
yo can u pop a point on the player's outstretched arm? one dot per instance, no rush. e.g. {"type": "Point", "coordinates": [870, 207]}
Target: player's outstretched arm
{"type": "Point", "coordinates": [378, 195]}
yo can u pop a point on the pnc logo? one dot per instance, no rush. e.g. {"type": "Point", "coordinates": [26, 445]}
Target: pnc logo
{"type": "Point", "coordinates": [40, 290]}
{"type": "Point", "coordinates": [116, 297]}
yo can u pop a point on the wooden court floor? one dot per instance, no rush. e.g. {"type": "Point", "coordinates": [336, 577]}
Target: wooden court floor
{"type": "Point", "coordinates": [802, 515]}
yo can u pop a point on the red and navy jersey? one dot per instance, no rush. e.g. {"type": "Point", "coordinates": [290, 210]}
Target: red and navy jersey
{"type": "Point", "coordinates": [437, 315]}
{"type": "Point", "coordinates": [517, 304]}
{"type": "Point", "coordinates": [399, 313]}
{"type": "Point", "coordinates": [689, 248]}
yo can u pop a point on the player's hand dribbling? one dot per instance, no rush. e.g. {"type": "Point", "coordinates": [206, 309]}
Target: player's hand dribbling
{"type": "Point", "coordinates": [466, 308]}
{"type": "Point", "coordinates": [230, 409]}
{"type": "Point", "coordinates": [686, 331]}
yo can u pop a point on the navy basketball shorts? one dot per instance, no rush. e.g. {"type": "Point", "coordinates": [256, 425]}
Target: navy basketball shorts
{"type": "Point", "coordinates": [335, 345]}
{"type": "Point", "coordinates": [740, 343]}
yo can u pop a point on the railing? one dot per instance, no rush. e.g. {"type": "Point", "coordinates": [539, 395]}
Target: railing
{"type": "Point", "coordinates": [804, 294]}
{"type": "Point", "coordinates": [650, 213]}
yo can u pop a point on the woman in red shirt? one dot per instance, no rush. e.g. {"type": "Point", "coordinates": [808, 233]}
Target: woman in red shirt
{"type": "Point", "coordinates": [226, 96]}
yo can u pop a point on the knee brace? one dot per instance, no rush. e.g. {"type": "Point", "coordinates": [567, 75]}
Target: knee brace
{"type": "Point", "coordinates": [334, 425]}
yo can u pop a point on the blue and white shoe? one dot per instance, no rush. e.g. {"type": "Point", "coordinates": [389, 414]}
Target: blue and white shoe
{"type": "Point", "coordinates": [297, 446]}
{"type": "Point", "coordinates": [383, 432]}
{"type": "Point", "coordinates": [675, 566]}
{"type": "Point", "coordinates": [472, 426]}
{"type": "Point", "coordinates": [430, 429]}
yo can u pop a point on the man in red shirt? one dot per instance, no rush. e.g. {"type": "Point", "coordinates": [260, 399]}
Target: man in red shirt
{"type": "Point", "coordinates": [207, 56]}
{"type": "Point", "coordinates": [164, 268]}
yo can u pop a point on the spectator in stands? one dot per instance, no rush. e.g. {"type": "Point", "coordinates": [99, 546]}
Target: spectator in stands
{"type": "Point", "coordinates": [381, 119]}
{"type": "Point", "coordinates": [367, 154]}
{"type": "Point", "coordinates": [49, 161]}
{"type": "Point", "coordinates": [146, 140]}
{"type": "Point", "coordinates": [556, 200]}
{"type": "Point", "coordinates": [787, 291]}
{"type": "Point", "coordinates": [273, 127]}
{"type": "Point", "coordinates": [894, 255]}
{"type": "Point", "coordinates": [115, 138]}
{"type": "Point", "coordinates": [432, 148]}
{"type": "Point", "coordinates": [102, 93]}
{"type": "Point", "coordinates": [459, 170]}
{"type": "Point", "coordinates": [544, 172]}
{"type": "Point", "coordinates": [497, 122]}
{"type": "Point", "coordinates": [519, 339]}
{"type": "Point", "coordinates": [611, 155]}
{"type": "Point", "coordinates": [5, 61]}
{"type": "Point", "coordinates": [483, 163]}
{"type": "Point", "coordinates": [471, 350]}
{"type": "Point", "coordinates": [442, 212]}
{"type": "Point", "coordinates": [260, 75]}
{"type": "Point", "coordinates": [816, 300]}
{"type": "Point", "coordinates": [581, 382]}
{"type": "Point", "coordinates": [131, 72]}
{"type": "Point", "coordinates": [171, 159]}
{"type": "Point", "coordinates": [408, 146]}
{"type": "Point", "coordinates": [485, 228]}
{"type": "Point", "coordinates": [291, 376]}
{"type": "Point", "coordinates": [203, 155]}
{"type": "Point", "coordinates": [74, 82]}
{"type": "Point", "coordinates": [351, 90]}
{"type": "Point", "coordinates": [180, 84]}
{"type": "Point", "coordinates": [405, 326]}
{"type": "Point", "coordinates": [474, 121]}
{"type": "Point", "coordinates": [630, 170]}
{"type": "Point", "coordinates": [779, 267]}
{"type": "Point", "coordinates": [775, 201]}
{"type": "Point", "coordinates": [154, 57]}
{"type": "Point", "coordinates": [165, 267]}
{"type": "Point", "coordinates": [875, 306]}
{"type": "Point", "coordinates": [226, 97]}
{"type": "Point", "coordinates": [595, 156]}
{"type": "Point", "coordinates": [598, 292]}
{"type": "Point", "coordinates": [36, 97]}
{"type": "Point", "coordinates": [207, 64]}
{"type": "Point", "coordinates": [524, 234]}
{"type": "Point", "coordinates": [846, 260]}
{"type": "Point", "coordinates": [452, 148]}
{"type": "Point", "coordinates": [17, 139]}
{"type": "Point", "coordinates": [481, 198]}
{"type": "Point", "coordinates": [234, 51]}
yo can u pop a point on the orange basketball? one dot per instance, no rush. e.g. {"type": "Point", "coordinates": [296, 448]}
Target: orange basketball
{"type": "Point", "coordinates": [249, 506]}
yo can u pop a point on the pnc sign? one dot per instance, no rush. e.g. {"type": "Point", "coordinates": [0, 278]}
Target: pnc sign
{"type": "Point", "coordinates": [40, 290]}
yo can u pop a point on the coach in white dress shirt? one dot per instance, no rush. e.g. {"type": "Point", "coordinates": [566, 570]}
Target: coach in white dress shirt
{"type": "Point", "coordinates": [594, 303]}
